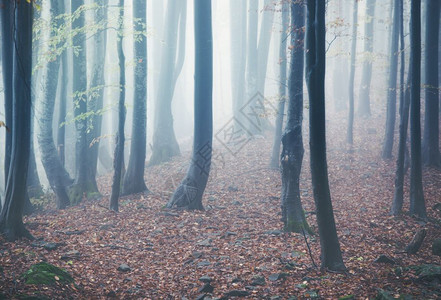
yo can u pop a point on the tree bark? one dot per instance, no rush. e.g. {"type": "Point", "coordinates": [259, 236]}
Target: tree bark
{"type": "Point", "coordinates": [189, 193]}
{"type": "Point", "coordinates": [315, 78]}
{"type": "Point", "coordinates": [134, 177]}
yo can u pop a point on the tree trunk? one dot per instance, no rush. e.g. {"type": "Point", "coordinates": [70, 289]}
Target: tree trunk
{"type": "Point", "coordinates": [417, 204]}
{"type": "Point", "coordinates": [292, 152]}
{"type": "Point", "coordinates": [11, 222]}
{"type": "Point", "coordinates": [266, 30]}
{"type": "Point", "coordinates": [119, 147]}
{"type": "Point", "coordinates": [165, 145]}
{"type": "Point", "coordinates": [275, 154]}
{"type": "Point", "coordinates": [392, 87]}
{"type": "Point", "coordinates": [238, 33]}
{"type": "Point", "coordinates": [134, 177]}
{"type": "Point", "coordinates": [431, 154]}
{"type": "Point", "coordinates": [315, 78]}
{"type": "Point", "coordinates": [95, 100]}
{"type": "Point", "coordinates": [189, 193]}
{"type": "Point", "coordinates": [61, 131]}
{"type": "Point", "coordinates": [364, 107]}
{"type": "Point", "coordinates": [350, 134]}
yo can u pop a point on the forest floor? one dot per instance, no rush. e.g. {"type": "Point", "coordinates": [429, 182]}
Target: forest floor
{"type": "Point", "coordinates": [238, 240]}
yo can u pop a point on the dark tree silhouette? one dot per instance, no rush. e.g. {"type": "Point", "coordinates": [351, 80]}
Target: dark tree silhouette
{"type": "Point", "coordinates": [397, 204]}
{"type": "Point", "coordinates": [189, 193]}
{"type": "Point", "coordinates": [315, 78]}
{"type": "Point", "coordinates": [134, 176]}
{"type": "Point", "coordinates": [431, 154]}
{"type": "Point", "coordinates": [392, 86]}
{"type": "Point", "coordinates": [275, 153]}
{"type": "Point", "coordinates": [350, 133]}
{"type": "Point", "coordinates": [417, 204]}
{"type": "Point", "coordinates": [292, 151]}
{"type": "Point", "coordinates": [119, 145]}
{"type": "Point", "coordinates": [364, 103]}
{"type": "Point", "coordinates": [11, 222]}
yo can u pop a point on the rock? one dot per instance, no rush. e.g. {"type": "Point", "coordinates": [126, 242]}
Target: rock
{"type": "Point", "coordinates": [436, 247]}
{"type": "Point", "coordinates": [47, 245]}
{"type": "Point", "coordinates": [230, 233]}
{"type": "Point", "coordinates": [384, 259]}
{"type": "Point", "coordinates": [201, 297]}
{"type": "Point", "coordinates": [204, 263]}
{"type": "Point", "coordinates": [207, 288]}
{"type": "Point", "coordinates": [236, 280]}
{"type": "Point", "coordinates": [233, 188]}
{"type": "Point", "coordinates": [428, 272]}
{"type": "Point", "coordinates": [277, 276]}
{"type": "Point", "coordinates": [237, 203]}
{"type": "Point", "coordinates": [273, 232]}
{"type": "Point", "coordinates": [275, 298]}
{"type": "Point", "coordinates": [170, 214]}
{"type": "Point", "coordinates": [74, 232]}
{"type": "Point", "coordinates": [205, 243]}
{"type": "Point", "coordinates": [206, 279]}
{"type": "Point", "coordinates": [124, 268]}
{"type": "Point", "coordinates": [106, 226]}
{"type": "Point", "coordinates": [312, 294]}
{"type": "Point", "coordinates": [70, 255]}
{"type": "Point", "coordinates": [237, 293]}
{"type": "Point", "coordinates": [44, 273]}
{"type": "Point", "coordinates": [258, 280]}
{"type": "Point", "coordinates": [196, 254]}
{"type": "Point", "coordinates": [211, 199]}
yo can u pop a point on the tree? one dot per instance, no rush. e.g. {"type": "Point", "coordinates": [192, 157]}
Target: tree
{"type": "Point", "coordinates": [19, 24]}
{"type": "Point", "coordinates": [275, 153]}
{"type": "Point", "coordinates": [292, 152]}
{"type": "Point", "coordinates": [134, 176]}
{"type": "Point", "coordinates": [417, 204]}
{"type": "Point", "coordinates": [350, 133]}
{"type": "Point", "coordinates": [431, 154]}
{"type": "Point", "coordinates": [397, 204]}
{"type": "Point", "coordinates": [392, 86]}
{"type": "Point", "coordinates": [315, 79]}
{"type": "Point", "coordinates": [189, 193]}
{"type": "Point", "coordinates": [238, 33]}
{"type": "Point", "coordinates": [364, 107]}
{"type": "Point", "coordinates": [165, 144]}
{"type": "Point", "coordinates": [119, 147]}
{"type": "Point", "coordinates": [57, 176]}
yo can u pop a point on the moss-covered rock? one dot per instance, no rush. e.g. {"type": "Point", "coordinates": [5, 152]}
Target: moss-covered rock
{"type": "Point", "coordinates": [44, 273]}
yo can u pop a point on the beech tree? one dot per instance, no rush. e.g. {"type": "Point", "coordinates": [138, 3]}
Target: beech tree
{"type": "Point", "coordinates": [134, 176]}
{"type": "Point", "coordinates": [17, 19]}
{"type": "Point", "coordinates": [431, 154]}
{"type": "Point", "coordinates": [292, 140]}
{"type": "Point", "coordinates": [315, 79]}
{"type": "Point", "coordinates": [417, 203]}
{"type": "Point", "coordinates": [189, 193]}
{"type": "Point", "coordinates": [350, 131]}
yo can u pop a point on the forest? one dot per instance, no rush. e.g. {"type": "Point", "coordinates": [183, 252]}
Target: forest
{"type": "Point", "coordinates": [220, 149]}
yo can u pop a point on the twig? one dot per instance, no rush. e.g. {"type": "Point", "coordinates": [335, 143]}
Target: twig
{"type": "Point", "coordinates": [309, 249]}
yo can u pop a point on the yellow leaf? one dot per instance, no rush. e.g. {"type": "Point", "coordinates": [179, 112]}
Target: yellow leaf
{"type": "Point", "coordinates": [57, 278]}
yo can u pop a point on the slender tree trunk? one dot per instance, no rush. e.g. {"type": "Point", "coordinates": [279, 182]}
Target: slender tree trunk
{"type": "Point", "coordinates": [61, 131]}
{"type": "Point", "coordinates": [165, 144]}
{"type": "Point", "coordinates": [350, 133]}
{"type": "Point", "coordinates": [119, 147]}
{"type": "Point", "coordinates": [11, 222]}
{"type": "Point", "coordinates": [392, 88]}
{"type": "Point", "coordinates": [266, 30]}
{"type": "Point", "coordinates": [315, 78]}
{"type": "Point", "coordinates": [364, 107]}
{"type": "Point", "coordinates": [134, 177]}
{"type": "Point", "coordinates": [95, 100]}
{"type": "Point", "coordinates": [417, 204]}
{"type": "Point", "coordinates": [238, 27]}
{"type": "Point", "coordinates": [275, 154]}
{"type": "Point", "coordinates": [292, 152]}
{"type": "Point", "coordinates": [189, 193]}
{"type": "Point", "coordinates": [397, 204]}
{"type": "Point", "coordinates": [431, 154]}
